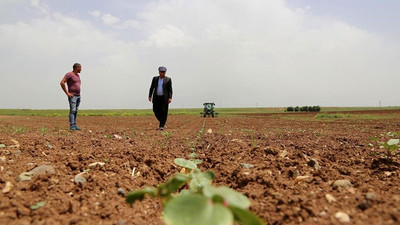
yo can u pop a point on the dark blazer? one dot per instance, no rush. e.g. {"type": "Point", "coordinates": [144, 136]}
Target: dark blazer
{"type": "Point", "coordinates": [167, 88]}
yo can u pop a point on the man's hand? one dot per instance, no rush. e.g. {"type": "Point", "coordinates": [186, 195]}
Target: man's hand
{"type": "Point", "coordinates": [169, 100]}
{"type": "Point", "coordinates": [70, 95]}
{"type": "Point", "coordinates": [149, 99]}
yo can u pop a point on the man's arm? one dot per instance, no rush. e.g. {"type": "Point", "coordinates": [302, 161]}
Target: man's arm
{"type": "Point", "coordinates": [170, 90]}
{"type": "Point", "coordinates": [62, 83]}
{"type": "Point", "coordinates": [151, 89]}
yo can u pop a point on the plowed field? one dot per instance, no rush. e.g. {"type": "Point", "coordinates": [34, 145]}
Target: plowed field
{"type": "Point", "coordinates": [284, 187]}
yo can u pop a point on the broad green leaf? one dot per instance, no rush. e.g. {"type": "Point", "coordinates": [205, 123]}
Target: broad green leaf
{"type": "Point", "coordinates": [194, 209]}
{"type": "Point", "coordinates": [385, 145]}
{"type": "Point", "coordinates": [185, 163]}
{"type": "Point", "coordinates": [140, 194]}
{"type": "Point", "coordinates": [196, 161]}
{"type": "Point", "coordinates": [173, 184]}
{"type": "Point", "coordinates": [199, 180]}
{"type": "Point", "coordinates": [185, 192]}
{"type": "Point", "coordinates": [393, 147]}
{"type": "Point", "coordinates": [192, 155]}
{"type": "Point", "coordinates": [233, 198]}
{"type": "Point", "coordinates": [38, 205]}
{"type": "Point", "coordinates": [245, 217]}
{"type": "Point", "coordinates": [393, 142]}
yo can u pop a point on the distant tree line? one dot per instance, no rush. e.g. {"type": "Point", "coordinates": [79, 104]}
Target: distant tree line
{"type": "Point", "coordinates": [304, 109]}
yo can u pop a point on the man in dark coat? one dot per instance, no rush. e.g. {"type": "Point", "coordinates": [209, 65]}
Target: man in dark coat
{"type": "Point", "coordinates": [161, 95]}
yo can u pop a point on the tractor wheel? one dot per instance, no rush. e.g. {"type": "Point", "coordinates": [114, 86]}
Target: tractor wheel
{"type": "Point", "coordinates": [205, 115]}
{"type": "Point", "coordinates": [212, 114]}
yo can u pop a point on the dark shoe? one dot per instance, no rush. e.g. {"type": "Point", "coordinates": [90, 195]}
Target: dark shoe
{"type": "Point", "coordinates": [161, 128]}
{"type": "Point", "coordinates": [77, 128]}
{"type": "Point", "coordinates": [72, 128]}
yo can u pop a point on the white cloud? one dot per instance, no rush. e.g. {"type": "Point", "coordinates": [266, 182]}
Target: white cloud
{"type": "Point", "coordinates": [115, 22]}
{"type": "Point", "coordinates": [169, 37]}
{"type": "Point", "coordinates": [96, 14]}
{"type": "Point", "coordinates": [128, 24]}
{"type": "Point", "coordinates": [41, 7]}
{"type": "Point", "coordinates": [109, 20]}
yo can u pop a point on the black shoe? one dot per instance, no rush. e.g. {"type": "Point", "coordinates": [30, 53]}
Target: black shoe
{"type": "Point", "coordinates": [161, 128]}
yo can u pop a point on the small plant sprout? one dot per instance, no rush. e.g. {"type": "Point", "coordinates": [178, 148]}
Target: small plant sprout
{"type": "Point", "coordinates": [188, 164]}
{"type": "Point", "coordinates": [391, 147]}
{"type": "Point", "coordinates": [38, 205]}
{"type": "Point", "coordinates": [252, 135]}
{"type": "Point", "coordinates": [167, 135]}
{"type": "Point", "coordinates": [49, 145]}
{"type": "Point", "coordinates": [43, 131]}
{"type": "Point", "coordinates": [199, 135]}
{"type": "Point", "coordinates": [109, 136]}
{"type": "Point", "coordinates": [193, 155]}
{"type": "Point", "coordinates": [192, 199]}
{"type": "Point", "coordinates": [18, 130]}
{"type": "Point", "coordinates": [200, 132]}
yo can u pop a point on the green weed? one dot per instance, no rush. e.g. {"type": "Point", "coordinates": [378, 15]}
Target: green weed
{"type": "Point", "coordinates": [43, 131]}
{"type": "Point", "coordinates": [167, 135]}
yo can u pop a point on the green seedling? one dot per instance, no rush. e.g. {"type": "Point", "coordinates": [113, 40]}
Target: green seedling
{"type": "Point", "coordinates": [18, 130]}
{"type": "Point", "coordinates": [38, 205]}
{"type": "Point", "coordinates": [391, 147]}
{"type": "Point", "coordinates": [192, 199]}
{"type": "Point", "coordinates": [252, 135]}
{"type": "Point", "coordinates": [49, 145]}
{"type": "Point", "coordinates": [193, 155]}
{"type": "Point", "coordinates": [43, 131]}
{"type": "Point", "coordinates": [109, 136]}
{"type": "Point", "coordinates": [246, 165]}
{"type": "Point", "coordinates": [188, 164]}
{"type": "Point", "coordinates": [200, 132]}
{"type": "Point", "coordinates": [197, 161]}
{"type": "Point", "coordinates": [167, 135]}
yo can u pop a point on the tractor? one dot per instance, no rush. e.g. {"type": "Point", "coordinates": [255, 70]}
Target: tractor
{"type": "Point", "coordinates": [208, 109]}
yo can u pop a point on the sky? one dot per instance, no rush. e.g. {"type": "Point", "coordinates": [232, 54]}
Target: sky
{"type": "Point", "coordinates": [236, 53]}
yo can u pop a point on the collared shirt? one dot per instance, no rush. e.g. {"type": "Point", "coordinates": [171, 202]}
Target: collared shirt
{"type": "Point", "coordinates": [160, 90]}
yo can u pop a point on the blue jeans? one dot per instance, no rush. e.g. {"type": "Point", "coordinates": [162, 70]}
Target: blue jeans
{"type": "Point", "coordinates": [73, 108]}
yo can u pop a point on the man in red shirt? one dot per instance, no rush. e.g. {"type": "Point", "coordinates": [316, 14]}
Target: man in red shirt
{"type": "Point", "coordinates": [74, 93]}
